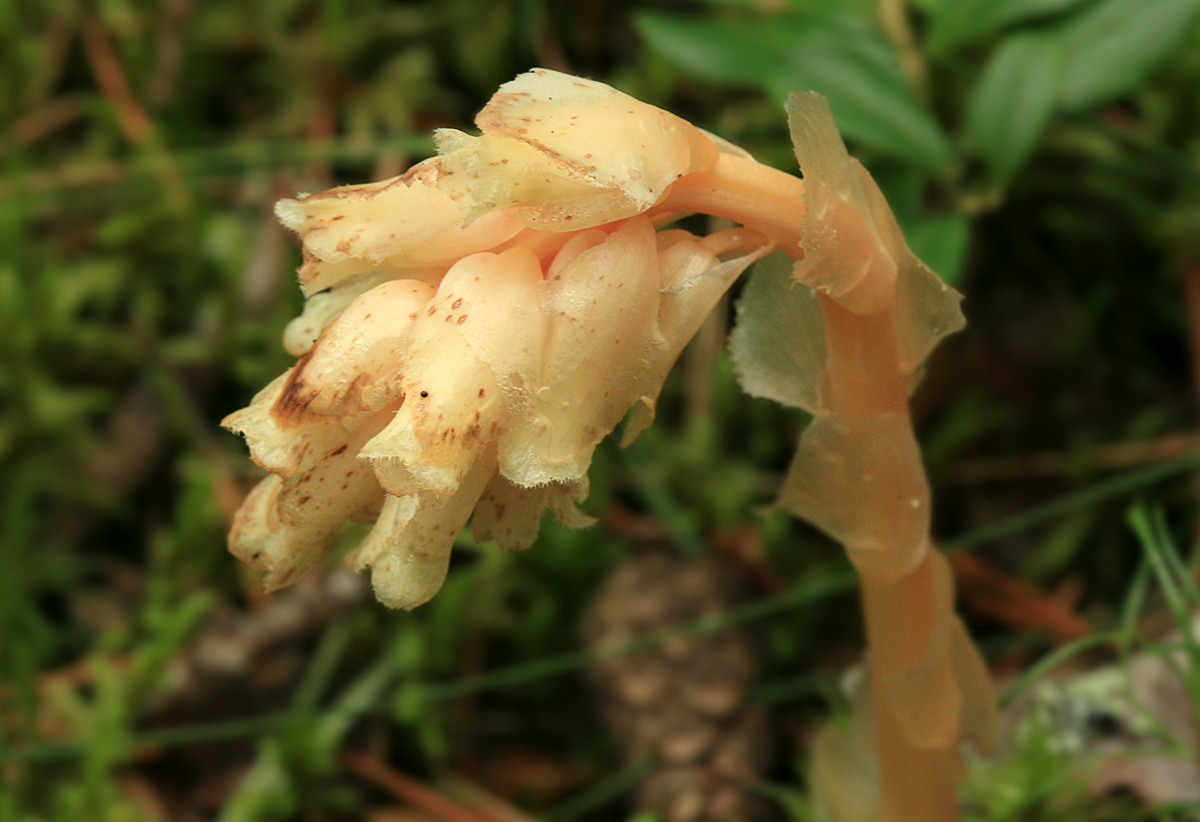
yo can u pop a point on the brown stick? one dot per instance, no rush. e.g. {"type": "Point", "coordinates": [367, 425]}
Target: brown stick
{"type": "Point", "coordinates": [433, 803]}
{"type": "Point", "coordinates": [131, 115]}
{"type": "Point", "coordinates": [1014, 601]}
{"type": "Point", "coordinates": [44, 120]}
{"type": "Point", "coordinates": [110, 76]}
{"type": "Point", "coordinates": [1056, 463]}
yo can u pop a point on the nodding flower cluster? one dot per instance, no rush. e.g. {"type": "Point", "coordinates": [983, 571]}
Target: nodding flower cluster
{"type": "Point", "coordinates": [475, 326]}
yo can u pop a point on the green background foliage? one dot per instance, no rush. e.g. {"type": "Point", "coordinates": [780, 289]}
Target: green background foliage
{"type": "Point", "coordinates": [1042, 155]}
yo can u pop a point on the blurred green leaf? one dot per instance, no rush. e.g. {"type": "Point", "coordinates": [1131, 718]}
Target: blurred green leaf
{"type": "Point", "coordinates": [837, 54]}
{"type": "Point", "coordinates": [1014, 100]}
{"type": "Point", "coordinates": [955, 22]}
{"type": "Point", "coordinates": [941, 241]}
{"type": "Point", "coordinates": [1113, 46]}
{"type": "Point", "coordinates": [726, 50]}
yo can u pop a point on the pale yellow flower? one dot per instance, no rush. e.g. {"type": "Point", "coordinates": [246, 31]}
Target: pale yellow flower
{"type": "Point", "coordinates": [477, 325]}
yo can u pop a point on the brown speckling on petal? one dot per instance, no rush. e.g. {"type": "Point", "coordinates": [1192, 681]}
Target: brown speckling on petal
{"type": "Point", "coordinates": [456, 303]}
{"type": "Point", "coordinates": [340, 450]}
{"type": "Point", "coordinates": [289, 409]}
{"type": "Point", "coordinates": [347, 243]}
{"type": "Point", "coordinates": [462, 319]}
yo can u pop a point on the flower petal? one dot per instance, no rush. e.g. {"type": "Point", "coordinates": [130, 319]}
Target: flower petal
{"type": "Point", "coordinates": [595, 155]}
{"type": "Point", "coordinates": [285, 524]}
{"type": "Point", "coordinates": [471, 352]}
{"type": "Point", "coordinates": [512, 515]}
{"type": "Point", "coordinates": [409, 548]}
{"type": "Point", "coordinates": [357, 362]}
{"type": "Point", "coordinates": [396, 224]}
{"type": "Point", "coordinates": [283, 451]}
{"type": "Point", "coordinates": [601, 340]}
{"type": "Point", "coordinates": [693, 279]}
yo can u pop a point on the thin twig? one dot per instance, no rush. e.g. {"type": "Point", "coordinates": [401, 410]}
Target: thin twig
{"type": "Point", "coordinates": [44, 120]}
{"type": "Point", "coordinates": [1058, 463]}
{"type": "Point", "coordinates": [1014, 601]}
{"type": "Point", "coordinates": [431, 802]}
{"type": "Point", "coordinates": [131, 115]}
{"type": "Point", "coordinates": [111, 79]}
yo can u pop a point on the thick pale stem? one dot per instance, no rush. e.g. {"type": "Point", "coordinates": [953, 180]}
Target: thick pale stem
{"type": "Point", "coordinates": [863, 362]}
{"type": "Point", "coordinates": [903, 616]}
{"type": "Point", "coordinates": [915, 784]}
{"type": "Point", "coordinates": [757, 196]}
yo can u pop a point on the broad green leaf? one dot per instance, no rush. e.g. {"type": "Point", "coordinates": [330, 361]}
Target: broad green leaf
{"type": "Point", "coordinates": [1113, 46]}
{"type": "Point", "coordinates": [837, 54]}
{"type": "Point", "coordinates": [941, 241]}
{"type": "Point", "coordinates": [724, 51]}
{"type": "Point", "coordinates": [955, 22]}
{"type": "Point", "coordinates": [1014, 100]}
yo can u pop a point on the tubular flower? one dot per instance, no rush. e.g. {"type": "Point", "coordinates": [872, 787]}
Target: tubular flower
{"type": "Point", "coordinates": [477, 325]}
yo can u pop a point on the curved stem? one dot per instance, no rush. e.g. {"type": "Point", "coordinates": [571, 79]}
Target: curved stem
{"type": "Point", "coordinates": [765, 199]}
{"type": "Point", "coordinates": [905, 617]}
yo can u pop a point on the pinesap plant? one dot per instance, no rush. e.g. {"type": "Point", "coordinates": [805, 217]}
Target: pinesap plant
{"type": "Point", "coordinates": [475, 326]}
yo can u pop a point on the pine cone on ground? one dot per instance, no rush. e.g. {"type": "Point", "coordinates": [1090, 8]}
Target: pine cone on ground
{"type": "Point", "coordinates": [684, 702]}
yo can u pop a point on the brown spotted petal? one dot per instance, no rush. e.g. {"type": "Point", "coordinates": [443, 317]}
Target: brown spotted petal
{"type": "Point", "coordinates": [356, 365]}
{"type": "Point", "coordinates": [322, 308]}
{"type": "Point", "coordinates": [351, 374]}
{"type": "Point", "coordinates": [693, 277]}
{"type": "Point", "coordinates": [471, 352]}
{"type": "Point", "coordinates": [283, 450]}
{"type": "Point", "coordinates": [573, 153]}
{"type": "Point", "coordinates": [512, 515]}
{"type": "Point", "coordinates": [620, 310]}
{"type": "Point", "coordinates": [408, 550]}
{"type": "Point", "coordinates": [286, 523]}
{"type": "Point", "coordinates": [403, 225]}
{"type": "Point", "coordinates": [601, 299]}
